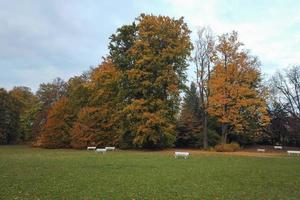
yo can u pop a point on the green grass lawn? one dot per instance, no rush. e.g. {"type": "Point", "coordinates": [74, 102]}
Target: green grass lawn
{"type": "Point", "coordinates": [32, 173]}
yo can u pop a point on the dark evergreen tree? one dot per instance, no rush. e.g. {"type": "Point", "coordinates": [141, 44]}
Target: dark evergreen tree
{"type": "Point", "coordinates": [190, 123]}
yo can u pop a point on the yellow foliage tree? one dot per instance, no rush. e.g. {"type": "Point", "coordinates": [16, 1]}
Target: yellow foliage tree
{"type": "Point", "coordinates": [96, 122]}
{"type": "Point", "coordinates": [152, 56]}
{"type": "Point", "coordinates": [237, 98]}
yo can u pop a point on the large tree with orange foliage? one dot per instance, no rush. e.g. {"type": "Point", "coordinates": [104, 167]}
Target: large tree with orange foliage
{"type": "Point", "coordinates": [56, 132]}
{"type": "Point", "coordinates": [152, 57]}
{"type": "Point", "coordinates": [236, 96]}
{"type": "Point", "coordinates": [96, 124]}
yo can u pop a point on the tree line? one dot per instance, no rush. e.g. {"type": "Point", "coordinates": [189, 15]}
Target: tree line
{"type": "Point", "coordinates": [138, 96]}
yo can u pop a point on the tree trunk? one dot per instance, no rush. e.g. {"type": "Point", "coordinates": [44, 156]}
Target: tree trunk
{"type": "Point", "coordinates": [224, 134]}
{"type": "Point", "coordinates": [205, 132]}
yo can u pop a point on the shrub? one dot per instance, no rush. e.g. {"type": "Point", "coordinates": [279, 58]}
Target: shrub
{"type": "Point", "coordinates": [227, 147]}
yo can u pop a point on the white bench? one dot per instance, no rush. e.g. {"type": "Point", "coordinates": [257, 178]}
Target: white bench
{"type": "Point", "coordinates": [182, 154]}
{"type": "Point", "coordinates": [91, 148]}
{"type": "Point", "coordinates": [110, 148]}
{"type": "Point", "coordinates": [101, 151]}
{"type": "Point", "coordinates": [261, 150]}
{"type": "Point", "coordinates": [293, 152]}
{"type": "Point", "coordinates": [278, 147]}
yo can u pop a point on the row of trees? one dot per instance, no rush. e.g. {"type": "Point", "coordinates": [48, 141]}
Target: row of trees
{"type": "Point", "coordinates": [133, 98]}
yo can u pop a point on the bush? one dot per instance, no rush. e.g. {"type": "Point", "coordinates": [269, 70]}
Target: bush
{"type": "Point", "coordinates": [227, 147]}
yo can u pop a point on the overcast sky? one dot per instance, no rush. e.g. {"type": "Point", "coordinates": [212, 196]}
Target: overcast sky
{"type": "Point", "coordinates": [44, 39]}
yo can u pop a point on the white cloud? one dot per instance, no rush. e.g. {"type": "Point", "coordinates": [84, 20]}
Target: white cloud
{"type": "Point", "coordinates": [268, 29]}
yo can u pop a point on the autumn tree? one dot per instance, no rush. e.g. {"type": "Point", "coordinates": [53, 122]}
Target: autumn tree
{"type": "Point", "coordinates": [237, 98]}
{"type": "Point", "coordinates": [56, 132]}
{"type": "Point", "coordinates": [47, 95]}
{"type": "Point", "coordinates": [64, 101]}
{"type": "Point", "coordinates": [152, 57]}
{"type": "Point", "coordinates": [203, 59]}
{"type": "Point", "coordinates": [96, 122]}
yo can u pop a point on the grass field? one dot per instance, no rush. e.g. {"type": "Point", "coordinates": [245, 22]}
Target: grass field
{"type": "Point", "coordinates": [32, 173]}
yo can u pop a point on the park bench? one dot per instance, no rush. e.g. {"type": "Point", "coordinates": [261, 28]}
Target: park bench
{"type": "Point", "coordinates": [101, 151]}
{"type": "Point", "coordinates": [293, 152]}
{"type": "Point", "coordinates": [182, 154]}
{"type": "Point", "coordinates": [91, 148]}
{"type": "Point", "coordinates": [278, 147]}
{"type": "Point", "coordinates": [110, 148]}
{"type": "Point", "coordinates": [261, 150]}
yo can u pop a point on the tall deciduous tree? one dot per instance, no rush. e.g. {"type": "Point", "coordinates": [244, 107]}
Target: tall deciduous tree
{"type": "Point", "coordinates": [96, 123]}
{"type": "Point", "coordinates": [286, 90]}
{"type": "Point", "coordinates": [153, 60]}
{"type": "Point", "coordinates": [203, 59]}
{"type": "Point", "coordinates": [285, 87]}
{"type": "Point", "coordinates": [237, 99]}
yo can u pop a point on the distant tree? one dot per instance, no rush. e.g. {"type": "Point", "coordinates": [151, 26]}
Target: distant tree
{"type": "Point", "coordinates": [78, 92]}
{"type": "Point", "coordinates": [237, 98]}
{"type": "Point", "coordinates": [152, 57]}
{"type": "Point", "coordinates": [283, 128]}
{"type": "Point", "coordinates": [47, 95]}
{"type": "Point", "coordinates": [24, 100]}
{"type": "Point", "coordinates": [9, 118]}
{"type": "Point", "coordinates": [293, 138]}
{"type": "Point", "coordinates": [24, 96]}
{"type": "Point", "coordinates": [72, 97]}
{"type": "Point", "coordinates": [279, 124]}
{"type": "Point", "coordinates": [286, 89]}
{"type": "Point", "coordinates": [29, 122]}
{"type": "Point", "coordinates": [4, 114]}
{"type": "Point", "coordinates": [189, 124]}
{"type": "Point", "coordinates": [96, 121]}
{"type": "Point", "coordinates": [56, 132]}
{"type": "Point", "coordinates": [93, 128]}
